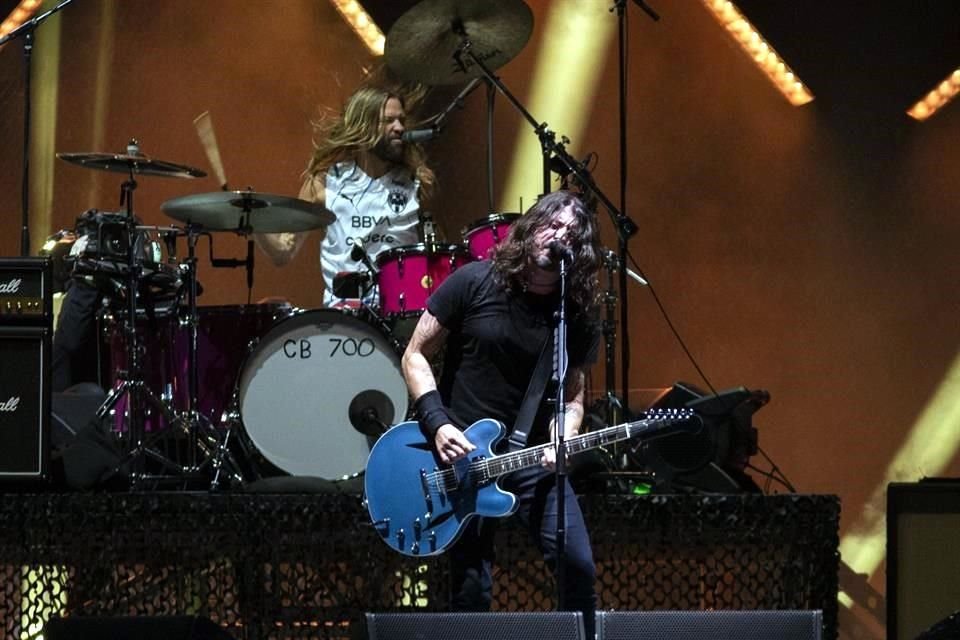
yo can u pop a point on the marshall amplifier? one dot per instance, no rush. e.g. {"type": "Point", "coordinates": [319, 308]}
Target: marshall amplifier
{"type": "Point", "coordinates": [24, 403]}
{"type": "Point", "coordinates": [26, 291]}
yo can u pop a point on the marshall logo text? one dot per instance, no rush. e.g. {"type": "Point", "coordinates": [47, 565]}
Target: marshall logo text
{"type": "Point", "coordinates": [12, 286]}
{"type": "Point", "coordinates": [10, 405]}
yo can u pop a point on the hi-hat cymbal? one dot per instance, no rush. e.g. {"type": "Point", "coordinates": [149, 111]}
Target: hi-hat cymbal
{"type": "Point", "coordinates": [247, 212]}
{"type": "Point", "coordinates": [422, 42]}
{"type": "Point", "coordinates": [127, 163]}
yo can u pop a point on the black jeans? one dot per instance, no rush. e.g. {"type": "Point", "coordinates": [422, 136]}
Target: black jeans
{"type": "Point", "coordinates": [472, 556]}
{"type": "Point", "coordinates": [75, 353]}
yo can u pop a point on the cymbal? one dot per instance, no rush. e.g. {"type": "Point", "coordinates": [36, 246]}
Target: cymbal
{"type": "Point", "coordinates": [136, 163]}
{"type": "Point", "coordinates": [247, 212]}
{"type": "Point", "coordinates": [422, 42]}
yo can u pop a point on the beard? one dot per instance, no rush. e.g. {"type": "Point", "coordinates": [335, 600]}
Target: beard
{"type": "Point", "coordinates": [386, 150]}
{"type": "Point", "coordinates": [545, 261]}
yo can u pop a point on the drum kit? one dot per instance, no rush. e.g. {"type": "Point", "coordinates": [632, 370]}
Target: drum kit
{"type": "Point", "coordinates": [253, 390]}
{"type": "Point", "coordinates": [249, 391]}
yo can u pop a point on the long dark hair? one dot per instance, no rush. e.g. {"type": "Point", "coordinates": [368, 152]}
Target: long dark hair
{"type": "Point", "coordinates": [512, 256]}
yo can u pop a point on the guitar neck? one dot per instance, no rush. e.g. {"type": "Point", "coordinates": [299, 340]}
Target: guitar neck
{"type": "Point", "coordinates": [533, 457]}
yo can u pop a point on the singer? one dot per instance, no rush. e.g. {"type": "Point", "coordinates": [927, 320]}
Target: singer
{"type": "Point", "coordinates": [374, 181]}
{"type": "Point", "coordinates": [494, 318]}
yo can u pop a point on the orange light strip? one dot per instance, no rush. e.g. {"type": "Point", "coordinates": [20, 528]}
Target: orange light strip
{"type": "Point", "coordinates": [760, 51]}
{"type": "Point", "coordinates": [936, 98]}
{"type": "Point", "coordinates": [20, 14]}
{"type": "Point", "coordinates": [361, 22]}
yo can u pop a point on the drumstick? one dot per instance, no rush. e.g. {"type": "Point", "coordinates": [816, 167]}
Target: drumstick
{"type": "Point", "coordinates": [204, 126]}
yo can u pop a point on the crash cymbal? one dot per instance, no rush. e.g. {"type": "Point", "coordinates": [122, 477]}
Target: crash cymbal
{"type": "Point", "coordinates": [422, 42]}
{"type": "Point", "coordinates": [136, 163]}
{"type": "Point", "coordinates": [247, 212]}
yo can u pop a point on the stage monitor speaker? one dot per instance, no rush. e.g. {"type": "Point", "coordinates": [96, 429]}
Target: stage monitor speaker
{"type": "Point", "coordinates": [697, 625]}
{"type": "Point", "coordinates": [923, 560]}
{"type": "Point", "coordinates": [134, 628]}
{"type": "Point", "coordinates": [505, 625]}
{"type": "Point", "coordinates": [24, 403]}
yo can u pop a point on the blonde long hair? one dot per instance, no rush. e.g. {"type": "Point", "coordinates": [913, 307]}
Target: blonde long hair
{"type": "Point", "coordinates": [344, 136]}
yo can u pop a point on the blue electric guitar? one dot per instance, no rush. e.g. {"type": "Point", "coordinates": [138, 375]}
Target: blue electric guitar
{"type": "Point", "coordinates": [419, 506]}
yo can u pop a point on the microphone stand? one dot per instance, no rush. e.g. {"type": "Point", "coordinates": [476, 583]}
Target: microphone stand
{"type": "Point", "coordinates": [560, 374]}
{"type": "Point", "coordinates": [26, 30]}
{"type": "Point", "coordinates": [620, 8]}
{"type": "Point", "coordinates": [624, 226]}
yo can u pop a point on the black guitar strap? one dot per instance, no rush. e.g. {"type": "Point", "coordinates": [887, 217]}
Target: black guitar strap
{"type": "Point", "coordinates": [531, 400]}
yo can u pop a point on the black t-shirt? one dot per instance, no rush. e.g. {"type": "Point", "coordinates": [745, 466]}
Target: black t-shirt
{"type": "Point", "coordinates": [494, 344]}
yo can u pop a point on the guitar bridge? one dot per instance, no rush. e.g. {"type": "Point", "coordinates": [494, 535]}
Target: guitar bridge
{"type": "Point", "coordinates": [382, 527]}
{"type": "Point", "coordinates": [425, 487]}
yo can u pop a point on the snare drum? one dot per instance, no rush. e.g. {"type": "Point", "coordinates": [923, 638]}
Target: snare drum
{"type": "Point", "coordinates": [316, 391]}
{"type": "Point", "coordinates": [408, 275]}
{"type": "Point", "coordinates": [483, 235]}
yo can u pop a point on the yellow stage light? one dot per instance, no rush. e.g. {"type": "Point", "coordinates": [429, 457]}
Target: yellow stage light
{"type": "Point", "coordinates": [760, 51]}
{"type": "Point", "coordinates": [576, 36]}
{"type": "Point", "coordinates": [20, 14]}
{"type": "Point", "coordinates": [929, 448]}
{"type": "Point", "coordinates": [936, 98]}
{"type": "Point", "coordinates": [361, 22]}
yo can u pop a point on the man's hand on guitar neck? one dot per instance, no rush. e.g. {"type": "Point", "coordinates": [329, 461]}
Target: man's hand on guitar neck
{"type": "Point", "coordinates": [451, 444]}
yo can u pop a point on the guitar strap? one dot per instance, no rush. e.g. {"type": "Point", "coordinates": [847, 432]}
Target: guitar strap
{"type": "Point", "coordinates": [531, 400]}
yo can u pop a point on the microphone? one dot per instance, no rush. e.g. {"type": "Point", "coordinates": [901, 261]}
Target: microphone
{"type": "Point", "coordinates": [560, 251]}
{"type": "Point", "coordinates": [359, 254]}
{"type": "Point", "coordinates": [417, 136]}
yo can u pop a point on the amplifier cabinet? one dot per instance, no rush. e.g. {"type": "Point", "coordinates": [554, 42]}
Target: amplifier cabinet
{"type": "Point", "coordinates": [24, 403]}
{"type": "Point", "coordinates": [26, 291]}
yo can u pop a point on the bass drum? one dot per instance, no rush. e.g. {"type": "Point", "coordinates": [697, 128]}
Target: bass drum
{"type": "Point", "coordinates": [318, 389]}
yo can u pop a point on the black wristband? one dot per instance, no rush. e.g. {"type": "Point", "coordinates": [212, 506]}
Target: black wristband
{"type": "Point", "coordinates": [431, 414]}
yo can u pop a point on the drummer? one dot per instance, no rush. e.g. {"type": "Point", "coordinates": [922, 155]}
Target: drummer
{"type": "Point", "coordinates": [375, 184]}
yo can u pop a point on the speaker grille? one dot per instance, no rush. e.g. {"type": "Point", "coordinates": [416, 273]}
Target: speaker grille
{"type": "Point", "coordinates": [697, 625]}
{"type": "Point", "coordinates": [561, 625]}
{"type": "Point", "coordinates": [24, 402]}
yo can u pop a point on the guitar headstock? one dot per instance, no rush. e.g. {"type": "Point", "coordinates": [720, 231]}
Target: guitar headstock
{"type": "Point", "coordinates": [682, 418]}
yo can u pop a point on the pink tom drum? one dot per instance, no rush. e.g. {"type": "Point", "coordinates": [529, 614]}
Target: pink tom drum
{"type": "Point", "coordinates": [408, 275]}
{"type": "Point", "coordinates": [483, 235]}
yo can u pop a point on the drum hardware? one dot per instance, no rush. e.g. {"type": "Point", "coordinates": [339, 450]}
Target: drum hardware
{"type": "Point", "coordinates": [243, 212]}
{"type": "Point", "coordinates": [139, 397]}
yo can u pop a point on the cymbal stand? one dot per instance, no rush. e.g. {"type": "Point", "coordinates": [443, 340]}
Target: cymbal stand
{"type": "Point", "coordinates": [205, 438]}
{"type": "Point", "coordinates": [613, 407]}
{"type": "Point", "coordinates": [132, 385]}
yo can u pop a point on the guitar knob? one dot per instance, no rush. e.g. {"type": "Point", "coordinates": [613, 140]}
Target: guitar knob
{"type": "Point", "coordinates": [416, 528]}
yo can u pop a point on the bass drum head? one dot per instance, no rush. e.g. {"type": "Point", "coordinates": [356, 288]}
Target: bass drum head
{"type": "Point", "coordinates": [305, 380]}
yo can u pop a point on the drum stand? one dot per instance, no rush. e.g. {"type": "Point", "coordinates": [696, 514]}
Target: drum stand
{"type": "Point", "coordinates": [132, 385]}
{"type": "Point", "coordinates": [206, 439]}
